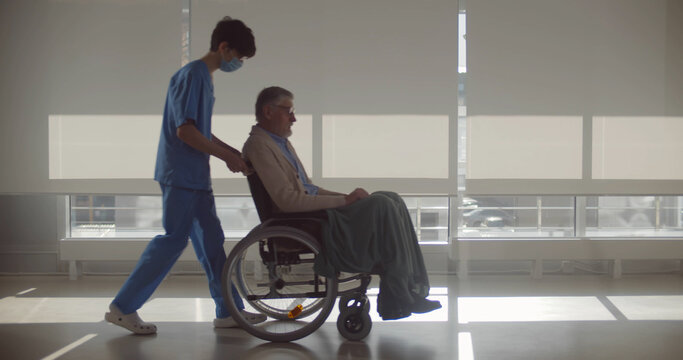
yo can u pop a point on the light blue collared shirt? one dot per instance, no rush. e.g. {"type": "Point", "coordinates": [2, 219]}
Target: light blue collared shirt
{"type": "Point", "coordinates": [282, 144]}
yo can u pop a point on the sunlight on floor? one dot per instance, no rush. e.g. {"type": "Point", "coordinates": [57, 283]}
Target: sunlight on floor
{"type": "Point", "coordinates": [465, 350]}
{"type": "Point", "coordinates": [523, 309]}
{"type": "Point", "coordinates": [26, 309]}
{"type": "Point", "coordinates": [21, 310]}
{"type": "Point", "coordinates": [650, 307]}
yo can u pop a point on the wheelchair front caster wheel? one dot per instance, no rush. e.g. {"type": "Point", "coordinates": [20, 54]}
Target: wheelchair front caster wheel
{"type": "Point", "coordinates": [354, 326]}
{"type": "Point", "coordinates": [349, 302]}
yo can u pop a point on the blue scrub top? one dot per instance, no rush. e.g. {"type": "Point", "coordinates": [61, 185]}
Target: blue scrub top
{"type": "Point", "coordinates": [190, 96]}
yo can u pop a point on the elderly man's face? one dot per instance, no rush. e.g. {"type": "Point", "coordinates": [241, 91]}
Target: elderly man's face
{"type": "Point", "coordinates": [280, 117]}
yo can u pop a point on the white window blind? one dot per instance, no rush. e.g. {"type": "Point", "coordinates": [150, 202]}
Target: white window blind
{"type": "Point", "coordinates": [69, 61]}
{"type": "Point", "coordinates": [638, 148]}
{"type": "Point", "coordinates": [524, 147]}
{"type": "Point", "coordinates": [385, 146]}
{"type": "Point", "coordinates": [610, 66]}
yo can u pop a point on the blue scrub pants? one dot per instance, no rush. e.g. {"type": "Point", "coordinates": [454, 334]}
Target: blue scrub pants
{"type": "Point", "coordinates": [190, 213]}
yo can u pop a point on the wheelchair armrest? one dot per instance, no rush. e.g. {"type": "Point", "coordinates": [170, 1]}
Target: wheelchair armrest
{"type": "Point", "coordinates": [314, 216]}
{"type": "Point", "coordinates": [310, 222]}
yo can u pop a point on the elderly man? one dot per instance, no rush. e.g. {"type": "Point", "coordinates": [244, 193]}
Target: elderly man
{"type": "Point", "coordinates": [364, 233]}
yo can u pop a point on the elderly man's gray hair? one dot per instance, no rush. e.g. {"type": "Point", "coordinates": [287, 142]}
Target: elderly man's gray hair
{"type": "Point", "coordinates": [268, 96]}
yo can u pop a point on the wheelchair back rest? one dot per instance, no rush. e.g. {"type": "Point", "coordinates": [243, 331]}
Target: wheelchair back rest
{"type": "Point", "coordinates": [266, 207]}
{"type": "Point", "coordinates": [266, 210]}
{"type": "Point", "coordinates": [262, 201]}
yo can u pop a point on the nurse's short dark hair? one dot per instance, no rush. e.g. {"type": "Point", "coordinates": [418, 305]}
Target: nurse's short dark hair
{"type": "Point", "coordinates": [270, 95]}
{"type": "Point", "coordinates": [236, 34]}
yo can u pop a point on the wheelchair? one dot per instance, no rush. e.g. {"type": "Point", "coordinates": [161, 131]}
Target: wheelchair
{"type": "Point", "coordinates": [273, 271]}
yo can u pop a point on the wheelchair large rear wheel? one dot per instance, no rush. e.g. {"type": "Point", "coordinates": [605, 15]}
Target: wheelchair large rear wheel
{"type": "Point", "coordinates": [272, 269]}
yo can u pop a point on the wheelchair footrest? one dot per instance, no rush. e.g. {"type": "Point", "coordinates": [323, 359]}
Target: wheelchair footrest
{"type": "Point", "coordinates": [318, 294]}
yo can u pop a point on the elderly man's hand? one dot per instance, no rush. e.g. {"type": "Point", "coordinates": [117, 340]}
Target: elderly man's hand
{"type": "Point", "coordinates": [356, 195]}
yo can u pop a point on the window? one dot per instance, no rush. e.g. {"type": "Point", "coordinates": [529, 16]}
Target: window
{"type": "Point", "coordinates": [430, 218]}
{"type": "Point", "coordinates": [477, 216]}
{"type": "Point", "coordinates": [516, 216]}
{"type": "Point", "coordinates": [630, 216]}
{"type": "Point", "coordinates": [121, 216]}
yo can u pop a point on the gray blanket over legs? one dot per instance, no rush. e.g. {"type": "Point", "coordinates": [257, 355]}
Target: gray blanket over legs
{"type": "Point", "coordinates": [376, 235]}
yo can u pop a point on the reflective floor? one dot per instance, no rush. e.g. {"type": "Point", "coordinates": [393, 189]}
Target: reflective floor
{"type": "Point", "coordinates": [484, 317]}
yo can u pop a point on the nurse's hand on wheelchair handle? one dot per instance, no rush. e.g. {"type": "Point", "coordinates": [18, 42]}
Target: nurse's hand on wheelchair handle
{"type": "Point", "coordinates": [248, 171]}
{"type": "Point", "coordinates": [235, 163]}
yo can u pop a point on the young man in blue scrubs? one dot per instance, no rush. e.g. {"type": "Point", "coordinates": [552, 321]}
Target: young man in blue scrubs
{"type": "Point", "coordinates": [182, 170]}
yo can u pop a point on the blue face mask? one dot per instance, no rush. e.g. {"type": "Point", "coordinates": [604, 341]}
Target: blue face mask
{"type": "Point", "coordinates": [232, 65]}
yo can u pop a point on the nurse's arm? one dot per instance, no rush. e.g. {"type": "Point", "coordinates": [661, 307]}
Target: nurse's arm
{"type": "Point", "coordinates": [218, 141]}
{"type": "Point", "coordinates": [190, 135]}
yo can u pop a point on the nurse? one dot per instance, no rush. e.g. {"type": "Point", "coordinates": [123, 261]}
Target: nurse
{"type": "Point", "coordinates": [182, 170]}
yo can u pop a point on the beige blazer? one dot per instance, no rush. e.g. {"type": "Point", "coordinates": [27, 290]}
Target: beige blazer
{"type": "Point", "coordinates": [281, 178]}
